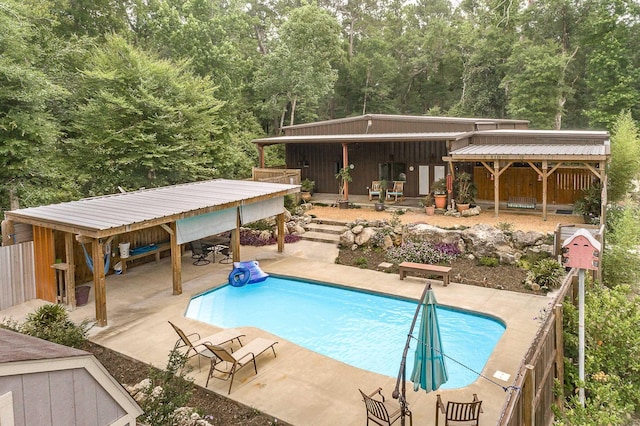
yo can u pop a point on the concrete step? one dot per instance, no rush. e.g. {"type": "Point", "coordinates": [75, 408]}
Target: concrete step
{"type": "Point", "coordinates": [325, 228]}
{"type": "Point", "coordinates": [321, 237]}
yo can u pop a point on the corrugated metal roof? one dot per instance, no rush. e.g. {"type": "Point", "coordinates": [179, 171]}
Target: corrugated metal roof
{"type": "Point", "coordinates": [530, 150]}
{"type": "Point", "coordinates": [407, 118]}
{"type": "Point", "coordinates": [112, 214]}
{"type": "Point", "coordinates": [365, 137]}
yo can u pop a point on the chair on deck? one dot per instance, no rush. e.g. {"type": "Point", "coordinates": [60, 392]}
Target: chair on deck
{"type": "Point", "coordinates": [196, 346]}
{"type": "Point", "coordinates": [200, 251]}
{"type": "Point", "coordinates": [378, 409]}
{"type": "Point", "coordinates": [225, 251]}
{"type": "Point", "coordinates": [374, 189]}
{"type": "Point", "coordinates": [460, 413]}
{"type": "Point", "coordinates": [397, 190]}
{"type": "Point", "coordinates": [236, 360]}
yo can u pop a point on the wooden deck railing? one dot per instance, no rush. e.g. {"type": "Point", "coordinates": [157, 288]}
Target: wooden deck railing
{"type": "Point", "coordinates": [531, 402]}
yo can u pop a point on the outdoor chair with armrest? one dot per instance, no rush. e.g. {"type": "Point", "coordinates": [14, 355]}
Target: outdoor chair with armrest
{"type": "Point", "coordinates": [194, 345]}
{"type": "Point", "coordinates": [374, 189]}
{"type": "Point", "coordinates": [236, 360]}
{"type": "Point", "coordinates": [460, 413]}
{"type": "Point", "coordinates": [396, 190]}
{"type": "Point", "coordinates": [200, 251]}
{"type": "Point", "coordinates": [380, 411]}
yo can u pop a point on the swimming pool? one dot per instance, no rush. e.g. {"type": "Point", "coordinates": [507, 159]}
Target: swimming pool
{"type": "Point", "coordinates": [361, 329]}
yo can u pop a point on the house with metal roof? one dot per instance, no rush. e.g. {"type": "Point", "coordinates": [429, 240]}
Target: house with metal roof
{"type": "Point", "coordinates": [505, 157]}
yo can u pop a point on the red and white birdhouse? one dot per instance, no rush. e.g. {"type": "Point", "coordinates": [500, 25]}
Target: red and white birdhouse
{"type": "Point", "coordinates": [581, 250]}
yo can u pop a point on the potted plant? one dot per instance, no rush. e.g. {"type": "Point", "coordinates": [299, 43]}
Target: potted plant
{"type": "Point", "coordinates": [344, 177]}
{"type": "Point", "coordinates": [589, 204]}
{"type": "Point", "coordinates": [382, 196]}
{"type": "Point", "coordinates": [465, 191]}
{"type": "Point", "coordinates": [440, 193]}
{"type": "Point", "coordinates": [306, 189]}
{"type": "Point", "coordinates": [429, 205]}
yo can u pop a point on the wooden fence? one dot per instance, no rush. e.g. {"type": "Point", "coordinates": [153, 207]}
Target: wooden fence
{"type": "Point", "coordinates": [17, 274]}
{"type": "Point", "coordinates": [531, 403]}
{"type": "Point", "coordinates": [286, 176]}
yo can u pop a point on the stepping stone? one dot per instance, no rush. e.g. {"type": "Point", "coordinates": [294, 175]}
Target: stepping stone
{"type": "Point", "coordinates": [385, 265]}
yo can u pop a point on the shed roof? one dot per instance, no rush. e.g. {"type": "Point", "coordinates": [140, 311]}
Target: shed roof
{"type": "Point", "coordinates": [117, 213]}
{"type": "Point", "coordinates": [16, 346]}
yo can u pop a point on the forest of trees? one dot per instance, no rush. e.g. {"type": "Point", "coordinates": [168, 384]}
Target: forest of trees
{"type": "Point", "coordinates": [96, 94]}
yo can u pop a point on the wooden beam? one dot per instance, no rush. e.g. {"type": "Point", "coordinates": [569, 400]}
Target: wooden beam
{"type": "Point", "coordinates": [235, 238]}
{"type": "Point", "coordinates": [8, 233]}
{"type": "Point", "coordinates": [261, 155]}
{"type": "Point", "coordinates": [69, 273]}
{"type": "Point", "coordinates": [167, 228]}
{"type": "Point", "coordinates": [545, 167]}
{"type": "Point", "coordinates": [528, 396]}
{"type": "Point", "coordinates": [280, 222]}
{"type": "Point", "coordinates": [345, 164]}
{"type": "Point", "coordinates": [496, 188]}
{"type": "Point", "coordinates": [99, 283]}
{"type": "Point", "coordinates": [176, 260]}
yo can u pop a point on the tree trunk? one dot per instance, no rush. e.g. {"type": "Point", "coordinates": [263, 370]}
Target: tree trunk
{"type": "Point", "coordinates": [14, 201]}
{"type": "Point", "coordinates": [293, 110]}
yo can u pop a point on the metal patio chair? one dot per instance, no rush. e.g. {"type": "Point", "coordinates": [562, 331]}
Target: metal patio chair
{"type": "Point", "coordinates": [381, 412]}
{"type": "Point", "coordinates": [459, 413]}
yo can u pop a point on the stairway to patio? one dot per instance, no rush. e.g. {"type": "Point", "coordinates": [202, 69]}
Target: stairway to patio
{"type": "Point", "coordinates": [324, 231]}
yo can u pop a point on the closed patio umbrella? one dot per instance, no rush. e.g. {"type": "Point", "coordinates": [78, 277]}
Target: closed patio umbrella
{"type": "Point", "coordinates": [429, 369]}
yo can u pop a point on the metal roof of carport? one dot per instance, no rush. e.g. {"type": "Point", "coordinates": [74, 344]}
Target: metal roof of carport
{"type": "Point", "coordinates": [109, 215]}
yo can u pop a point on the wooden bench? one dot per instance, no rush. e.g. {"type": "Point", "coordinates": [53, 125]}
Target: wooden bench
{"type": "Point", "coordinates": [522, 202]}
{"type": "Point", "coordinates": [443, 271]}
{"type": "Point", "coordinates": [159, 249]}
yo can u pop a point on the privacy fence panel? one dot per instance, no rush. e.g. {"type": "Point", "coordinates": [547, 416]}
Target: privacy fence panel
{"type": "Point", "coordinates": [17, 274]}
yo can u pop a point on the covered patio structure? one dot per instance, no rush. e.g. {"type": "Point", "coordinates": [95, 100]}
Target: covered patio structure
{"type": "Point", "coordinates": [186, 212]}
{"type": "Point", "coordinates": [545, 151]}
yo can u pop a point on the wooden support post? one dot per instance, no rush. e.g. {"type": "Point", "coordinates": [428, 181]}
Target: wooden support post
{"type": "Point", "coordinates": [280, 222]}
{"type": "Point", "coordinates": [545, 168]}
{"type": "Point", "coordinates": [70, 275]}
{"type": "Point", "coordinates": [528, 396]}
{"type": "Point", "coordinates": [496, 188]}
{"type": "Point", "coordinates": [8, 233]}
{"type": "Point", "coordinates": [176, 260]}
{"type": "Point", "coordinates": [99, 282]}
{"type": "Point", "coordinates": [235, 239]}
{"type": "Point", "coordinates": [558, 313]}
{"type": "Point", "coordinates": [345, 164]}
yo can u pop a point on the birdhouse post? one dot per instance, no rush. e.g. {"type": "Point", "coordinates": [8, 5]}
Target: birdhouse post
{"type": "Point", "coordinates": [581, 251]}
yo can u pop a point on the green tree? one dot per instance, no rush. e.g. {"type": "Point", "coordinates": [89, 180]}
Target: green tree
{"type": "Point", "coordinates": [143, 122]}
{"type": "Point", "coordinates": [28, 130]}
{"type": "Point", "coordinates": [625, 157]}
{"type": "Point", "coordinates": [298, 71]}
{"type": "Point", "coordinates": [535, 83]}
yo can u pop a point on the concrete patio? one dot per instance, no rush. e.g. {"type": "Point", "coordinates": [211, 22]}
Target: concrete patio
{"type": "Point", "coordinates": [299, 386]}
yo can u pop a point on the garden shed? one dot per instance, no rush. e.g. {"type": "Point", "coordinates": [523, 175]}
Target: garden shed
{"type": "Point", "coordinates": [43, 383]}
{"type": "Point", "coordinates": [180, 213]}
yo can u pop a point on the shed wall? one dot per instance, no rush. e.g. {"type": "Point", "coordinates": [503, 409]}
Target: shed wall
{"type": "Point", "coordinates": [65, 397]}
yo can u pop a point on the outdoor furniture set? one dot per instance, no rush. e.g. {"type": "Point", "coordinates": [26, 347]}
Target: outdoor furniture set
{"type": "Point", "coordinates": [223, 360]}
{"type": "Point", "coordinates": [396, 190]}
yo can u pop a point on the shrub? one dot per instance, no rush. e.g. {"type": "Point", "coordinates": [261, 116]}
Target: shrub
{"type": "Point", "coordinates": [504, 226]}
{"type": "Point", "coordinates": [488, 261]}
{"type": "Point", "coordinates": [51, 322]}
{"type": "Point", "coordinates": [423, 252]}
{"type": "Point", "coordinates": [168, 390]}
{"type": "Point", "coordinates": [361, 262]}
{"type": "Point", "coordinates": [254, 238]}
{"type": "Point", "coordinates": [547, 273]}
{"type": "Point", "coordinates": [612, 367]}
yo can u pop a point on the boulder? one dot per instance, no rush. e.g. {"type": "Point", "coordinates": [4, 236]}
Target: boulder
{"type": "Point", "coordinates": [363, 237]}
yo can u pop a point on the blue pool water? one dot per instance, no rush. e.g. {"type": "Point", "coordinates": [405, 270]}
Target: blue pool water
{"type": "Point", "coordinates": [360, 329]}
